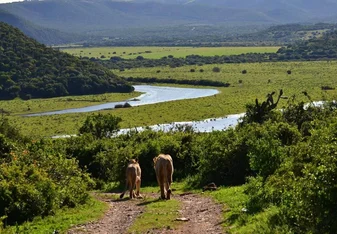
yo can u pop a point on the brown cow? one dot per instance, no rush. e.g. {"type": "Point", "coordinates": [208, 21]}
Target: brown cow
{"type": "Point", "coordinates": [163, 166]}
{"type": "Point", "coordinates": [133, 179]}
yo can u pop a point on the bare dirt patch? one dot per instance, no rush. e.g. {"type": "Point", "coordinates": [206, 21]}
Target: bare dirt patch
{"type": "Point", "coordinates": [116, 220]}
{"type": "Point", "coordinates": [199, 215]}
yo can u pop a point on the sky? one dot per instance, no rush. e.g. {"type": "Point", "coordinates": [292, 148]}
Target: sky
{"type": "Point", "coordinates": [7, 1]}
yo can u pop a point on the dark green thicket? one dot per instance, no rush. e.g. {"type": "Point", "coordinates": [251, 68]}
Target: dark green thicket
{"type": "Point", "coordinates": [29, 69]}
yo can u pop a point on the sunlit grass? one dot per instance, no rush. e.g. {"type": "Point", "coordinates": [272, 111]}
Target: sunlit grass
{"type": "Point", "coordinates": [62, 220]}
{"type": "Point", "coordinates": [158, 214]}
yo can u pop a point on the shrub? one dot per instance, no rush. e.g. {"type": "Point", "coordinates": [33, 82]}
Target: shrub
{"type": "Point", "coordinates": [201, 70]}
{"type": "Point", "coordinates": [326, 87]}
{"type": "Point", "coordinates": [100, 125]}
{"type": "Point", "coordinates": [37, 180]}
{"type": "Point", "coordinates": [216, 69]}
{"type": "Point", "coordinates": [192, 70]}
{"type": "Point", "coordinates": [244, 72]}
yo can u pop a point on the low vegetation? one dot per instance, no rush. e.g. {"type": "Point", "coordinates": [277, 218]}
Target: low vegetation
{"type": "Point", "coordinates": [62, 220]}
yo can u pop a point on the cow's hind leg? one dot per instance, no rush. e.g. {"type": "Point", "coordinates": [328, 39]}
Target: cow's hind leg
{"type": "Point", "coordinates": [162, 187]}
{"type": "Point", "coordinates": [168, 184]}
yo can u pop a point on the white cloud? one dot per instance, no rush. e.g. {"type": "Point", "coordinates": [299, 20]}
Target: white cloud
{"type": "Point", "coordinates": [8, 1]}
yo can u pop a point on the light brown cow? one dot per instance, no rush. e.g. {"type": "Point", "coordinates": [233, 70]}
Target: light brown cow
{"type": "Point", "coordinates": [163, 166]}
{"type": "Point", "coordinates": [133, 179]}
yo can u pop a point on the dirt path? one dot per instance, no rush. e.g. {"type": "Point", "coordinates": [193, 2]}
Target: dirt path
{"type": "Point", "coordinates": [116, 220]}
{"type": "Point", "coordinates": [202, 214]}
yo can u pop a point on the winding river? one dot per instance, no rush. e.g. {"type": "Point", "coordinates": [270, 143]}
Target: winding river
{"type": "Point", "coordinates": [158, 94]}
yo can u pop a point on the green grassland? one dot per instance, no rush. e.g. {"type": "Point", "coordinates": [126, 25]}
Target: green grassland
{"type": "Point", "coordinates": [261, 78]}
{"type": "Point", "coordinates": [63, 219]}
{"type": "Point", "coordinates": [159, 52]}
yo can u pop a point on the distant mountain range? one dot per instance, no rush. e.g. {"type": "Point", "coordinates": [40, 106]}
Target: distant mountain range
{"type": "Point", "coordinates": [41, 34]}
{"type": "Point", "coordinates": [103, 17]}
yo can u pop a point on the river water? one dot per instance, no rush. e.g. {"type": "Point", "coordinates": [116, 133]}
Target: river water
{"type": "Point", "coordinates": [152, 95]}
{"type": "Point", "coordinates": [158, 94]}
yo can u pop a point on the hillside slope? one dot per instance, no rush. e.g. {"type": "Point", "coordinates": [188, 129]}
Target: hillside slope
{"type": "Point", "coordinates": [29, 69]}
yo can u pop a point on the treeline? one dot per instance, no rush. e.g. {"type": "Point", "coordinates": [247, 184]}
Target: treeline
{"type": "Point", "coordinates": [323, 48]}
{"type": "Point", "coordinates": [176, 81]}
{"type": "Point", "coordinates": [122, 64]}
{"type": "Point", "coordinates": [210, 36]}
{"type": "Point", "coordinates": [29, 69]}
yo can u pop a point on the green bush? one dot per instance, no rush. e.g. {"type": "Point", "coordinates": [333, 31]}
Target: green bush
{"type": "Point", "coordinates": [101, 125]}
{"type": "Point", "coordinates": [37, 179]}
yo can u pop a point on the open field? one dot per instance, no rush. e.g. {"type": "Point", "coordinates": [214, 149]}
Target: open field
{"type": "Point", "coordinates": [159, 52]}
{"type": "Point", "coordinates": [261, 78]}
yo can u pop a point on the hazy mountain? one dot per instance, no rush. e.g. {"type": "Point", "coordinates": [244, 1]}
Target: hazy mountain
{"type": "Point", "coordinates": [311, 8]}
{"type": "Point", "coordinates": [43, 35]}
{"type": "Point", "coordinates": [90, 15]}
{"type": "Point", "coordinates": [105, 17]}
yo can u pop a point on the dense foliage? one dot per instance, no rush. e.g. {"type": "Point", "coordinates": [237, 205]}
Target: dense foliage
{"type": "Point", "coordinates": [313, 49]}
{"type": "Point", "coordinates": [31, 70]}
{"type": "Point", "coordinates": [36, 178]}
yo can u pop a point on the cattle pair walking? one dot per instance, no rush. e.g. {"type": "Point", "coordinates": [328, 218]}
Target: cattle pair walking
{"type": "Point", "coordinates": [163, 166]}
